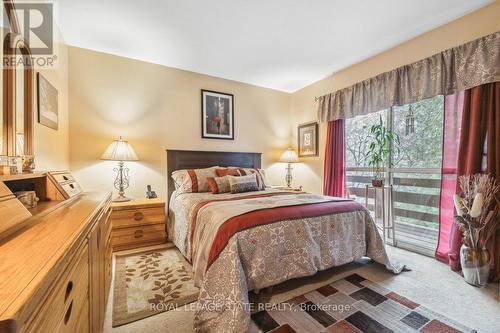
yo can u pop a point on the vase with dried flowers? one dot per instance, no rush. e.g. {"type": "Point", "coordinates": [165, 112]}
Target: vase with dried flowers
{"type": "Point", "coordinates": [478, 219]}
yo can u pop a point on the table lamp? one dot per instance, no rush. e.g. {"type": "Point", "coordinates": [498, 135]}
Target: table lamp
{"type": "Point", "coordinates": [289, 156]}
{"type": "Point", "coordinates": [120, 150]}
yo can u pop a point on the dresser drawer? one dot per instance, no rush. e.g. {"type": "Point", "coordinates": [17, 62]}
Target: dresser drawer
{"type": "Point", "coordinates": [137, 217]}
{"type": "Point", "coordinates": [67, 299]}
{"type": "Point", "coordinates": [63, 177]}
{"type": "Point", "coordinates": [76, 317]}
{"type": "Point", "coordinates": [72, 188]}
{"type": "Point", "coordinates": [82, 325]}
{"type": "Point", "coordinates": [126, 238]}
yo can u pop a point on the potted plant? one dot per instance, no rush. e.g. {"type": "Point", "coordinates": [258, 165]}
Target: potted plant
{"type": "Point", "coordinates": [478, 219]}
{"type": "Point", "coordinates": [379, 150]}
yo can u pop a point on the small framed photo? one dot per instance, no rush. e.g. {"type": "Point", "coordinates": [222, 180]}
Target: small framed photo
{"type": "Point", "coordinates": [48, 113]}
{"type": "Point", "coordinates": [308, 139]}
{"type": "Point", "coordinates": [217, 115]}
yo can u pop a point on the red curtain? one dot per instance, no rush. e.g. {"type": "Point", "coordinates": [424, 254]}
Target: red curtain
{"type": "Point", "coordinates": [453, 106]}
{"type": "Point", "coordinates": [480, 117]}
{"type": "Point", "coordinates": [493, 159]}
{"type": "Point", "coordinates": [493, 136]}
{"type": "Point", "coordinates": [334, 170]}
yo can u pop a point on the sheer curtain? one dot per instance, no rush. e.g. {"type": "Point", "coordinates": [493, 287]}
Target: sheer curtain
{"type": "Point", "coordinates": [453, 106]}
{"type": "Point", "coordinates": [334, 169]}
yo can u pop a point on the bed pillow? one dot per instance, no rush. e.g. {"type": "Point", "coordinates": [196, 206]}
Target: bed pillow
{"type": "Point", "coordinates": [227, 171]}
{"type": "Point", "coordinates": [193, 180]}
{"type": "Point", "coordinates": [243, 183]}
{"type": "Point", "coordinates": [219, 184]}
{"type": "Point", "coordinates": [260, 173]}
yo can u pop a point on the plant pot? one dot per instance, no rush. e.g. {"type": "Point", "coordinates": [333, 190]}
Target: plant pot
{"type": "Point", "coordinates": [475, 265]}
{"type": "Point", "coordinates": [377, 182]}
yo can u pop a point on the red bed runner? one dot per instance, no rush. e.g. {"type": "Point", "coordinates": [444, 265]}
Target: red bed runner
{"type": "Point", "coordinates": [200, 205]}
{"type": "Point", "coordinates": [270, 215]}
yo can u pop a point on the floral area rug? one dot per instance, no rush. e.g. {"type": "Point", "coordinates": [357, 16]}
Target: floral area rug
{"type": "Point", "coordinates": [148, 283]}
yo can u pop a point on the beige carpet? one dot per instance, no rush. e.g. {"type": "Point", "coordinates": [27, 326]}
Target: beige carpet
{"type": "Point", "coordinates": [150, 282]}
{"type": "Point", "coordinates": [430, 283]}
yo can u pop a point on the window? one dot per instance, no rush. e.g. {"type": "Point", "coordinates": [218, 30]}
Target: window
{"type": "Point", "coordinates": [423, 147]}
{"type": "Point", "coordinates": [413, 169]}
{"type": "Point", "coordinates": [357, 133]}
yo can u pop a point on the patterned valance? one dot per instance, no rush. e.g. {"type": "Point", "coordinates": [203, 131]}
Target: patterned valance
{"type": "Point", "coordinates": [445, 73]}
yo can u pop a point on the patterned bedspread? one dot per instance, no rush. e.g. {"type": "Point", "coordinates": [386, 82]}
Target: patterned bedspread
{"type": "Point", "coordinates": [264, 253]}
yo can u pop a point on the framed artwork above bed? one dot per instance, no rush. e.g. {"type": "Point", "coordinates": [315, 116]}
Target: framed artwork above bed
{"type": "Point", "coordinates": [308, 139]}
{"type": "Point", "coordinates": [217, 115]}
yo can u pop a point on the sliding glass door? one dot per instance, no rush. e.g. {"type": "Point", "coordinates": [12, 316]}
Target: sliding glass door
{"type": "Point", "coordinates": [413, 169]}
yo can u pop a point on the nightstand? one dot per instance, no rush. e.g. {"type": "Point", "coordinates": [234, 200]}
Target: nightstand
{"type": "Point", "coordinates": [137, 223]}
{"type": "Point", "coordinates": [288, 189]}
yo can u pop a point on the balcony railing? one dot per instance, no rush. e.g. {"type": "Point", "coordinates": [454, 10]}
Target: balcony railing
{"type": "Point", "coordinates": [416, 203]}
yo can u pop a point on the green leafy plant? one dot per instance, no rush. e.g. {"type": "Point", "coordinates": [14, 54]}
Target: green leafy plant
{"type": "Point", "coordinates": [383, 143]}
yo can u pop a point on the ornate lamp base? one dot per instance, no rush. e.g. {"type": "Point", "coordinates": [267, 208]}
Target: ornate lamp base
{"type": "Point", "coordinates": [288, 177]}
{"type": "Point", "coordinates": [121, 199]}
{"type": "Point", "coordinates": [122, 182]}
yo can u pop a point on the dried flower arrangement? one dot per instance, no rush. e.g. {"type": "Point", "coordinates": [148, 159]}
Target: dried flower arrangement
{"type": "Point", "coordinates": [477, 209]}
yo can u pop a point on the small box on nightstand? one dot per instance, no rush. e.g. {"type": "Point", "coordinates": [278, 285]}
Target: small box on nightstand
{"type": "Point", "coordinates": [137, 223]}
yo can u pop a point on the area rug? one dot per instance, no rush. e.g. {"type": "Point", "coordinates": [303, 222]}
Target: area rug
{"type": "Point", "coordinates": [351, 305]}
{"type": "Point", "coordinates": [149, 283]}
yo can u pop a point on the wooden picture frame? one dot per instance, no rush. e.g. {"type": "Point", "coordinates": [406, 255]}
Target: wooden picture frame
{"type": "Point", "coordinates": [217, 115]}
{"type": "Point", "coordinates": [47, 103]}
{"type": "Point", "coordinates": [308, 139]}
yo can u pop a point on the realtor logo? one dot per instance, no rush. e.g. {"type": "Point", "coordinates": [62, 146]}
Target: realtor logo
{"type": "Point", "coordinates": [35, 24]}
{"type": "Point", "coordinates": [29, 24]}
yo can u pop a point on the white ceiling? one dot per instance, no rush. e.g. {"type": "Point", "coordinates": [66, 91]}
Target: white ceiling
{"type": "Point", "coordinates": [280, 44]}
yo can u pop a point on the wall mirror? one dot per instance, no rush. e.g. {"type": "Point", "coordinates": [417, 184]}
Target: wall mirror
{"type": "Point", "coordinates": [19, 103]}
{"type": "Point", "coordinates": [17, 120]}
{"type": "Point", "coordinates": [3, 124]}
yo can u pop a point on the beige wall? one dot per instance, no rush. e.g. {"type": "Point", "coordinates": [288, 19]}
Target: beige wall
{"type": "Point", "coordinates": [303, 109]}
{"type": "Point", "coordinates": [51, 146]}
{"type": "Point", "coordinates": [157, 108]}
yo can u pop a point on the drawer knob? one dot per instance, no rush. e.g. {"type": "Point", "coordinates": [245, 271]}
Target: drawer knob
{"type": "Point", "coordinates": [138, 216]}
{"type": "Point", "coordinates": [67, 316]}
{"type": "Point", "coordinates": [69, 288]}
{"type": "Point", "coordinates": [138, 234]}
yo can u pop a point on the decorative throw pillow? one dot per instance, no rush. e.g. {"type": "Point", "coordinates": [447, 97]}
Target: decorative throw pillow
{"type": "Point", "coordinates": [219, 184]}
{"type": "Point", "coordinates": [260, 173]}
{"type": "Point", "coordinates": [193, 180]}
{"type": "Point", "coordinates": [227, 171]}
{"type": "Point", "coordinates": [243, 183]}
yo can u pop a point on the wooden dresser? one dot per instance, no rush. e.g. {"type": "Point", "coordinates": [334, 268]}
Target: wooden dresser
{"type": "Point", "coordinates": [137, 223]}
{"type": "Point", "coordinates": [55, 267]}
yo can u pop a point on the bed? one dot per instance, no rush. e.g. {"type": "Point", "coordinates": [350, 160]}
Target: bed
{"type": "Point", "coordinates": [246, 241]}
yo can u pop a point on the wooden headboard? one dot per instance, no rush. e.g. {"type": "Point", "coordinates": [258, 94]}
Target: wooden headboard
{"type": "Point", "coordinates": [189, 159]}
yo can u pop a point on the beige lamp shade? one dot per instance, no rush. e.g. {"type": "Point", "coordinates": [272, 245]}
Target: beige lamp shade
{"type": "Point", "coordinates": [120, 150]}
{"type": "Point", "coordinates": [289, 156]}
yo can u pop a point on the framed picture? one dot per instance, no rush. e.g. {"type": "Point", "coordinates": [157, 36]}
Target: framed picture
{"type": "Point", "coordinates": [48, 114]}
{"type": "Point", "coordinates": [308, 139]}
{"type": "Point", "coordinates": [217, 115]}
